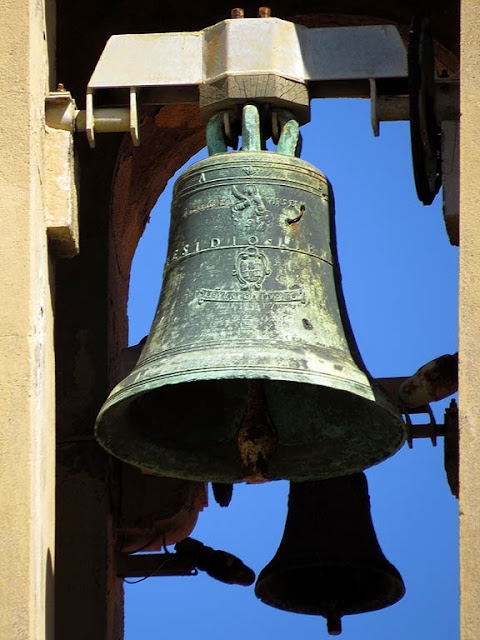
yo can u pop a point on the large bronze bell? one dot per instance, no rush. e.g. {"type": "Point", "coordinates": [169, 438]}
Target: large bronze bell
{"type": "Point", "coordinates": [329, 562]}
{"type": "Point", "coordinates": [250, 371]}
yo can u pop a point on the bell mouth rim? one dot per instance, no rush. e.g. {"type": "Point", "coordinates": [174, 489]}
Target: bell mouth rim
{"type": "Point", "coordinates": [395, 593]}
{"type": "Point", "coordinates": [168, 454]}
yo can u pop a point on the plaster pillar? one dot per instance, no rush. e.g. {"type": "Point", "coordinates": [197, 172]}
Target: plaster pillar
{"type": "Point", "coordinates": [27, 420]}
{"type": "Point", "coordinates": [469, 374]}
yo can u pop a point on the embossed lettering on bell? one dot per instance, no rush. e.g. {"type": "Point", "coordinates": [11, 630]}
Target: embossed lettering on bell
{"type": "Point", "coordinates": [251, 371]}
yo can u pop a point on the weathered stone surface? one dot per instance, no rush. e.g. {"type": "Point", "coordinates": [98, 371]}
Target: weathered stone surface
{"type": "Point", "coordinates": [61, 215]}
{"type": "Point", "coordinates": [27, 415]}
{"type": "Point", "coordinates": [469, 323]}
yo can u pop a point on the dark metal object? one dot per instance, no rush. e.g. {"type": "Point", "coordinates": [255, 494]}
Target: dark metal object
{"type": "Point", "coordinates": [251, 371]}
{"type": "Point", "coordinates": [191, 556]}
{"type": "Point", "coordinates": [150, 565]}
{"type": "Point", "coordinates": [424, 129]}
{"type": "Point", "coordinates": [393, 386]}
{"type": "Point", "coordinates": [222, 492]}
{"type": "Point", "coordinates": [424, 430]}
{"type": "Point", "coordinates": [220, 565]}
{"type": "Point", "coordinates": [451, 451]}
{"type": "Point", "coordinates": [443, 372]}
{"type": "Point", "coordinates": [431, 430]}
{"type": "Point", "coordinates": [329, 562]}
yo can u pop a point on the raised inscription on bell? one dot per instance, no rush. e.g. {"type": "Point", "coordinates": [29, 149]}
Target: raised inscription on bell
{"type": "Point", "coordinates": [222, 295]}
{"type": "Point", "coordinates": [208, 244]}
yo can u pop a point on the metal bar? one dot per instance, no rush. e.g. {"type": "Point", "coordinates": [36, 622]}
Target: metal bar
{"type": "Point", "coordinates": [289, 136]}
{"type": "Point", "coordinates": [430, 431]}
{"type": "Point", "coordinates": [89, 120]}
{"type": "Point", "coordinates": [134, 117]}
{"type": "Point", "coordinates": [145, 565]}
{"type": "Point", "coordinates": [251, 138]}
{"type": "Point", "coordinates": [215, 135]}
{"type": "Point", "coordinates": [106, 120]}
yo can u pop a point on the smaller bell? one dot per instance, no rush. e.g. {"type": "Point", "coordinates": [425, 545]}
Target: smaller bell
{"type": "Point", "coordinates": [329, 562]}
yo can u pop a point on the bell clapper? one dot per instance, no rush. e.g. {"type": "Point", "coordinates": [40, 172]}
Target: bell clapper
{"type": "Point", "coordinates": [256, 437]}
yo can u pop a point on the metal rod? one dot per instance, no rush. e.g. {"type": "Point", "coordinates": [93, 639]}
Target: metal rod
{"type": "Point", "coordinates": [113, 120]}
{"type": "Point", "coordinates": [251, 139]}
{"type": "Point", "coordinates": [427, 431]}
{"type": "Point", "coordinates": [290, 133]}
{"type": "Point", "coordinates": [154, 564]}
{"type": "Point", "coordinates": [216, 142]}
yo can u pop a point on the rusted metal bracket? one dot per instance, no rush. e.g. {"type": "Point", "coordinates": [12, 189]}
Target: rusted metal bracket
{"type": "Point", "coordinates": [449, 431]}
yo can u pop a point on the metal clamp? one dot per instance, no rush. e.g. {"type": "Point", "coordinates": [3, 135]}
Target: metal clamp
{"type": "Point", "coordinates": [61, 113]}
{"type": "Point", "coordinates": [93, 119]}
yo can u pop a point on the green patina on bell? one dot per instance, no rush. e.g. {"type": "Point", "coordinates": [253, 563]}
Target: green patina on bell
{"type": "Point", "coordinates": [250, 371]}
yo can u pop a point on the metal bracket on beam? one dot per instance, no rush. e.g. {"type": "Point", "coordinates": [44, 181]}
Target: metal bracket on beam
{"type": "Point", "coordinates": [393, 108]}
{"type": "Point", "coordinates": [263, 60]}
{"type": "Point", "coordinates": [212, 64]}
{"type": "Point", "coordinates": [266, 61]}
{"type": "Point", "coordinates": [112, 120]}
{"type": "Point", "coordinates": [392, 387]}
{"type": "Point", "coordinates": [61, 113]}
{"type": "Point", "coordinates": [449, 430]}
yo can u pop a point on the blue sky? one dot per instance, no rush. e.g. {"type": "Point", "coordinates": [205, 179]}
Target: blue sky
{"type": "Point", "coordinates": [400, 284]}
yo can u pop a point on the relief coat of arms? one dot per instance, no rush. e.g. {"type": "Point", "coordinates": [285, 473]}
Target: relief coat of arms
{"type": "Point", "coordinates": [251, 268]}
